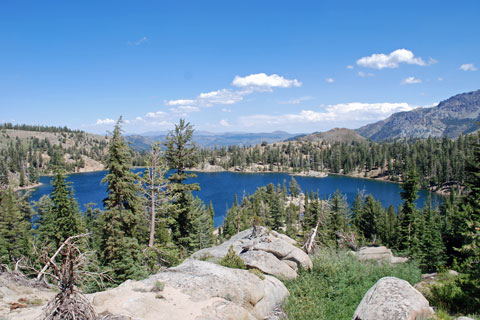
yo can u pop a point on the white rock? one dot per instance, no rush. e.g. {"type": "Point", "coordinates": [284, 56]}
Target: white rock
{"type": "Point", "coordinates": [268, 263]}
{"type": "Point", "coordinates": [393, 299]}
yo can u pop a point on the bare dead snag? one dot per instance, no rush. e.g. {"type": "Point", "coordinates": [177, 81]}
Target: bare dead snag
{"type": "Point", "coordinates": [69, 303]}
{"type": "Point", "coordinates": [50, 260]}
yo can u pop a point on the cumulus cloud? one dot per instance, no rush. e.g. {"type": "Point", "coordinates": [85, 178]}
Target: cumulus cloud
{"type": "Point", "coordinates": [224, 123]}
{"type": "Point", "coordinates": [154, 115]}
{"type": "Point", "coordinates": [265, 81]}
{"type": "Point", "coordinates": [330, 80]}
{"type": "Point", "coordinates": [179, 102]}
{"type": "Point", "coordinates": [411, 80]}
{"type": "Point", "coordinates": [259, 82]}
{"type": "Point", "coordinates": [222, 96]}
{"type": "Point", "coordinates": [391, 60]}
{"type": "Point", "coordinates": [468, 67]}
{"type": "Point", "coordinates": [354, 111]}
{"type": "Point", "coordinates": [105, 121]}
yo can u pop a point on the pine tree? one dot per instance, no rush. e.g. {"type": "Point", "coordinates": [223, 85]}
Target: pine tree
{"type": "Point", "coordinates": [3, 174]}
{"type": "Point", "coordinates": [431, 253]}
{"type": "Point", "coordinates": [59, 216]}
{"type": "Point", "coordinates": [408, 212]}
{"type": "Point", "coordinates": [15, 228]}
{"type": "Point", "coordinates": [201, 225]}
{"type": "Point", "coordinates": [356, 209]}
{"type": "Point", "coordinates": [294, 187]}
{"type": "Point", "coordinates": [64, 208]}
{"type": "Point", "coordinates": [338, 212]}
{"type": "Point", "coordinates": [277, 211]}
{"type": "Point", "coordinates": [470, 209]}
{"type": "Point", "coordinates": [181, 154]}
{"type": "Point", "coordinates": [368, 220]}
{"type": "Point", "coordinates": [120, 248]}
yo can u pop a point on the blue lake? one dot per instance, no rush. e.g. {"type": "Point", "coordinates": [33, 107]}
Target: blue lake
{"type": "Point", "coordinates": [220, 188]}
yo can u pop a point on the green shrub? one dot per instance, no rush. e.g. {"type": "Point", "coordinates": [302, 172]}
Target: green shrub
{"type": "Point", "coordinates": [158, 286]}
{"type": "Point", "coordinates": [232, 260]}
{"type": "Point", "coordinates": [337, 284]}
{"type": "Point", "coordinates": [450, 294]}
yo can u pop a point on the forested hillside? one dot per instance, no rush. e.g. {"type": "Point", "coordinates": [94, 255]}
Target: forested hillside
{"type": "Point", "coordinates": [439, 161]}
{"type": "Point", "coordinates": [26, 152]}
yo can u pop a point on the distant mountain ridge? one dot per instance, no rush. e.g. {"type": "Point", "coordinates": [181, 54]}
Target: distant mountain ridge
{"type": "Point", "coordinates": [210, 139]}
{"type": "Point", "coordinates": [333, 136]}
{"type": "Point", "coordinates": [458, 114]}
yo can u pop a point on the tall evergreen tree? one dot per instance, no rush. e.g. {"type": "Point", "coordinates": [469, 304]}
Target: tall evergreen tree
{"type": "Point", "coordinates": [62, 218]}
{"type": "Point", "coordinates": [294, 187]}
{"type": "Point", "coordinates": [15, 228]}
{"type": "Point", "coordinates": [431, 253]}
{"type": "Point", "coordinates": [470, 209]}
{"type": "Point", "coordinates": [200, 224]}
{"type": "Point", "coordinates": [369, 216]}
{"type": "Point", "coordinates": [120, 248]}
{"type": "Point", "coordinates": [338, 212]}
{"type": "Point", "coordinates": [4, 180]}
{"type": "Point", "coordinates": [408, 213]}
{"type": "Point", "coordinates": [181, 154]}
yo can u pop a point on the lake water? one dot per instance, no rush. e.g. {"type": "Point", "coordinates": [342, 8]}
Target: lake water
{"type": "Point", "coordinates": [220, 188]}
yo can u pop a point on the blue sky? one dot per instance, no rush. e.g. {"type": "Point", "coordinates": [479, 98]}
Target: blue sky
{"type": "Point", "coordinates": [253, 66]}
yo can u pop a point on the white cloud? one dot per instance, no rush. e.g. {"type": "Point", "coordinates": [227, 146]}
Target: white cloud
{"type": "Point", "coordinates": [411, 80]}
{"type": "Point", "coordinates": [222, 96]}
{"type": "Point", "coordinates": [440, 79]}
{"type": "Point", "coordinates": [259, 82]}
{"type": "Point", "coordinates": [139, 118]}
{"type": "Point", "coordinates": [346, 112]}
{"type": "Point", "coordinates": [265, 81]}
{"type": "Point", "coordinates": [226, 110]}
{"type": "Point", "coordinates": [350, 67]}
{"type": "Point", "coordinates": [105, 121]}
{"type": "Point", "coordinates": [224, 123]}
{"type": "Point", "coordinates": [138, 42]}
{"type": "Point", "coordinates": [362, 74]}
{"type": "Point", "coordinates": [468, 67]}
{"type": "Point", "coordinates": [179, 102]}
{"type": "Point", "coordinates": [391, 60]}
{"type": "Point", "coordinates": [154, 115]}
{"type": "Point", "coordinates": [330, 80]}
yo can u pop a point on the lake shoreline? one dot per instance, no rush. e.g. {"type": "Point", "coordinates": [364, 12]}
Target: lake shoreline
{"type": "Point", "coordinates": [32, 186]}
{"type": "Point", "coordinates": [311, 173]}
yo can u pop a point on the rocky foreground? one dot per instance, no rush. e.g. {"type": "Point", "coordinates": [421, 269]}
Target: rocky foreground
{"type": "Point", "coordinates": [201, 289]}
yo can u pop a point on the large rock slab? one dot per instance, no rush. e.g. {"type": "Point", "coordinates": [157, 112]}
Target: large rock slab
{"type": "Point", "coordinates": [262, 240]}
{"type": "Point", "coordinates": [393, 299]}
{"type": "Point", "coordinates": [379, 254]}
{"type": "Point", "coordinates": [269, 264]}
{"type": "Point", "coordinates": [197, 290]}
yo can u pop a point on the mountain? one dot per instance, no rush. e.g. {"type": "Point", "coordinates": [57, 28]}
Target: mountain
{"type": "Point", "coordinates": [209, 139]}
{"type": "Point", "coordinates": [458, 114]}
{"type": "Point", "coordinates": [333, 135]}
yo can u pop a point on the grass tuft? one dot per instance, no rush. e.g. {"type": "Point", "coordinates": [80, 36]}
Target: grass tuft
{"type": "Point", "coordinates": [337, 284]}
